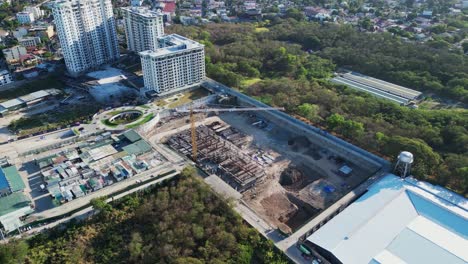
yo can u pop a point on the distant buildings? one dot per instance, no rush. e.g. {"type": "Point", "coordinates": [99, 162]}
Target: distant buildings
{"type": "Point", "coordinates": [36, 11]}
{"type": "Point", "coordinates": [25, 17]}
{"type": "Point", "coordinates": [13, 54]}
{"type": "Point", "coordinates": [317, 13]}
{"type": "Point", "coordinates": [179, 63]}
{"type": "Point", "coordinates": [43, 31]}
{"type": "Point", "coordinates": [136, 2]}
{"type": "Point", "coordinates": [142, 28]}
{"type": "Point", "coordinates": [29, 41]}
{"type": "Point", "coordinates": [87, 33]}
{"type": "Point", "coordinates": [5, 77]}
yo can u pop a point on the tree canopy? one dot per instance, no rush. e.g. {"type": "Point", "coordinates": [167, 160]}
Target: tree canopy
{"type": "Point", "coordinates": [181, 222]}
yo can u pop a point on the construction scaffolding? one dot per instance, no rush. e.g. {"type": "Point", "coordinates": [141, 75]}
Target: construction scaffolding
{"type": "Point", "coordinates": [223, 151]}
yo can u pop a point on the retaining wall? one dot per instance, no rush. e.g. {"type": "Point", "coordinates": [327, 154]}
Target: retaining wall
{"type": "Point", "coordinates": [297, 127]}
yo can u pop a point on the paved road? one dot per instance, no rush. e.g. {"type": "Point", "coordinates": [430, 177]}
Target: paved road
{"type": "Point", "coordinates": [13, 149]}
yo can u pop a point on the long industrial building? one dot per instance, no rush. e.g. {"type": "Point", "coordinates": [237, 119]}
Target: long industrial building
{"type": "Point", "coordinates": [143, 27]}
{"type": "Point", "coordinates": [397, 221]}
{"type": "Point", "coordinates": [379, 88]}
{"type": "Point", "coordinates": [179, 63]}
{"type": "Point", "coordinates": [87, 33]}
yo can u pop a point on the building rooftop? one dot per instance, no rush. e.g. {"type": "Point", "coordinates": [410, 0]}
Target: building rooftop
{"type": "Point", "coordinates": [393, 89]}
{"type": "Point", "coordinates": [131, 135]}
{"type": "Point", "coordinates": [399, 221]}
{"type": "Point", "coordinates": [34, 96]}
{"type": "Point", "coordinates": [14, 179]}
{"type": "Point", "coordinates": [13, 202]}
{"type": "Point", "coordinates": [102, 152]}
{"type": "Point", "coordinates": [142, 11]}
{"type": "Point", "coordinates": [173, 44]}
{"type": "Point", "coordinates": [3, 181]}
{"type": "Point", "coordinates": [11, 103]}
{"type": "Point", "coordinates": [137, 148]}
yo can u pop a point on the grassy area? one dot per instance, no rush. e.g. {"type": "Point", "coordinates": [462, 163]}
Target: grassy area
{"type": "Point", "coordinates": [145, 119]}
{"type": "Point", "coordinates": [185, 99]}
{"type": "Point", "coordinates": [30, 87]}
{"type": "Point", "coordinates": [261, 29]}
{"type": "Point", "coordinates": [51, 120]}
{"type": "Point", "coordinates": [126, 120]}
{"type": "Point", "coordinates": [249, 82]}
{"type": "Point", "coordinates": [107, 123]}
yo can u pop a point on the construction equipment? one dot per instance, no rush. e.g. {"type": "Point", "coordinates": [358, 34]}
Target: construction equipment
{"type": "Point", "coordinates": [207, 110]}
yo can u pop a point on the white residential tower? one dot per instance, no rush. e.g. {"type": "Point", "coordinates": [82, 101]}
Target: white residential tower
{"type": "Point", "coordinates": [87, 33]}
{"type": "Point", "coordinates": [143, 27]}
{"type": "Point", "coordinates": [179, 63]}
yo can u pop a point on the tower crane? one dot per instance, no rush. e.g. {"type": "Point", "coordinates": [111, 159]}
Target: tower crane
{"type": "Point", "coordinates": [208, 110]}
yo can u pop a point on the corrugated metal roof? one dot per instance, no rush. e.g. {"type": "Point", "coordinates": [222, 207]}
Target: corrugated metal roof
{"type": "Point", "coordinates": [137, 148]}
{"type": "Point", "coordinates": [12, 202]}
{"type": "Point", "coordinates": [132, 135]}
{"type": "Point", "coordinates": [34, 96]}
{"type": "Point", "coordinates": [12, 103]}
{"type": "Point", "coordinates": [3, 181]}
{"type": "Point", "coordinates": [14, 179]}
{"type": "Point", "coordinates": [398, 219]}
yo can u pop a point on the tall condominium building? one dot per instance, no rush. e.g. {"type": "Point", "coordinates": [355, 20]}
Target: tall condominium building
{"type": "Point", "coordinates": [87, 34]}
{"type": "Point", "coordinates": [179, 63]}
{"type": "Point", "coordinates": [143, 27]}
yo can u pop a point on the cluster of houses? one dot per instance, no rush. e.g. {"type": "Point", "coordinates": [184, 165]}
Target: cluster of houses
{"type": "Point", "coordinates": [29, 40]}
{"type": "Point", "coordinates": [91, 166]}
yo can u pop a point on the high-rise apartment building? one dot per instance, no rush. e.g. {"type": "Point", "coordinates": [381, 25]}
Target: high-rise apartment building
{"type": "Point", "coordinates": [143, 27]}
{"type": "Point", "coordinates": [87, 33]}
{"type": "Point", "coordinates": [179, 63]}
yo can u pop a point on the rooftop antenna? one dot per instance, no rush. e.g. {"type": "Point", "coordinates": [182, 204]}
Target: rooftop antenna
{"type": "Point", "coordinates": [403, 165]}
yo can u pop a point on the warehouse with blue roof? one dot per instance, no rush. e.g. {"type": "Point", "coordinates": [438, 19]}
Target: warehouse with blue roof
{"type": "Point", "coordinates": [397, 221]}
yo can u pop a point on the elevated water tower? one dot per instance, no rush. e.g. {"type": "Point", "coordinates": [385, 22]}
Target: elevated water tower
{"type": "Point", "coordinates": [403, 165]}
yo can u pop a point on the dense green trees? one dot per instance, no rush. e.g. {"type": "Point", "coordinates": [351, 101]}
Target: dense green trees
{"type": "Point", "coordinates": [182, 222]}
{"type": "Point", "coordinates": [13, 252]}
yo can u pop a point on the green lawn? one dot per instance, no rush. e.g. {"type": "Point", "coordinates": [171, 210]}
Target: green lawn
{"type": "Point", "coordinates": [186, 98]}
{"type": "Point", "coordinates": [261, 29]}
{"type": "Point", "coordinates": [249, 82]}
{"type": "Point", "coordinates": [145, 119]}
{"type": "Point", "coordinates": [52, 119]}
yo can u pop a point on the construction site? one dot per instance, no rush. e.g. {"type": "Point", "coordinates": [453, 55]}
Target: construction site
{"type": "Point", "coordinates": [286, 175]}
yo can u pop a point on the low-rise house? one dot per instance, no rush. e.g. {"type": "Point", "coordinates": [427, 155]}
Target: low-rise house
{"type": "Point", "coordinates": [29, 41]}
{"type": "Point", "coordinates": [25, 17]}
{"type": "Point", "coordinates": [13, 54]}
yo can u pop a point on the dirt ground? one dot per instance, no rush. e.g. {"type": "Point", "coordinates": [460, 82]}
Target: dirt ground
{"type": "Point", "coordinates": [301, 181]}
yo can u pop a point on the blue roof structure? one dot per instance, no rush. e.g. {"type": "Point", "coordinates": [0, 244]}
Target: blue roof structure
{"type": "Point", "coordinates": [399, 221]}
{"type": "Point", "coordinates": [3, 181]}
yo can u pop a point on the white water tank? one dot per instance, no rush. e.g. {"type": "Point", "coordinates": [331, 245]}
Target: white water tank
{"type": "Point", "coordinates": [403, 165]}
{"type": "Point", "coordinates": [406, 157]}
